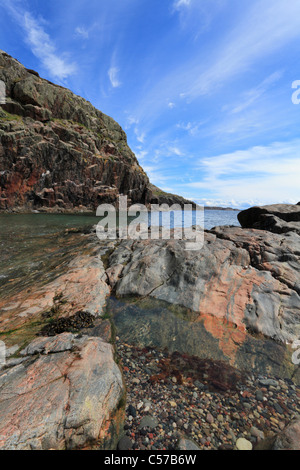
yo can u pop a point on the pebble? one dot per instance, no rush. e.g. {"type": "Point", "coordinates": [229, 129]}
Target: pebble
{"type": "Point", "coordinates": [148, 422]}
{"type": "Point", "coordinates": [186, 444]}
{"type": "Point", "coordinates": [125, 443]}
{"type": "Point", "coordinates": [278, 409]}
{"type": "Point", "coordinates": [132, 411]}
{"type": "Point", "coordinates": [243, 444]}
{"type": "Point", "coordinates": [257, 433]}
{"type": "Point", "coordinates": [162, 413]}
{"type": "Point", "coordinates": [268, 382]}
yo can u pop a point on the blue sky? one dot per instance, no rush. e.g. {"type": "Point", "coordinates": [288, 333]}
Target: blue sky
{"type": "Point", "coordinates": [203, 88]}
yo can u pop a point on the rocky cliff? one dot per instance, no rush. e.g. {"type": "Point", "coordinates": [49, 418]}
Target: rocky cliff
{"type": "Point", "coordinates": [191, 326]}
{"type": "Point", "coordinates": [57, 152]}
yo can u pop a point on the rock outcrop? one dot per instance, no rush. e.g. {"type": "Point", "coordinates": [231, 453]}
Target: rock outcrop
{"type": "Point", "coordinates": [243, 285]}
{"type": "Point", "coordinates": [82, 287]}
{"type": "Point", "coordinates": [277, 218]}
{"type": "Point", "coordinates": [64, 394]}
{"type": "Point", "coordinates": [247, 277]}
{"type": "Point", "coordinates": [161, 197]}
{"type": "Point", "coordinates": [60, 385]}
{"type": "Point", "coordinates": [59, 153]}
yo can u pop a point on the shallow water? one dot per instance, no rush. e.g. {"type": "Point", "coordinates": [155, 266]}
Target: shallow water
{"type": "Point", "coordinates": [157, 324]}
{"type": "Point", "coordinates": [34, 246]}
{"type": "Point", "coordinates": [34, 249]}
{"type": "Point", "coordinates": [151, 323]}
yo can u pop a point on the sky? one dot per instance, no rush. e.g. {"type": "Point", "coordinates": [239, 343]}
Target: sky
{"type": "Point", "coordinates": [208, 91]}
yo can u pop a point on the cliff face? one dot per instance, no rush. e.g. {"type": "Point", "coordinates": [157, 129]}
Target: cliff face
{"type": "Point", "coordinates": [57, 151]}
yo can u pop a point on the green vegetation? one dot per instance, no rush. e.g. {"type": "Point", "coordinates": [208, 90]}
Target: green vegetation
{"type": "Point", "coordinates": [7, 117]}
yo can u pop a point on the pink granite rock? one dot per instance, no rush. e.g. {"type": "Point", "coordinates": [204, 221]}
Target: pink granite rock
{"type": "Point", "coordinates": [63, 396]}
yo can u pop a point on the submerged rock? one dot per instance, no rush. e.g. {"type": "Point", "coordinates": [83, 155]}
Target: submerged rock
{"type": "Point", "coordinates": [81, 287]}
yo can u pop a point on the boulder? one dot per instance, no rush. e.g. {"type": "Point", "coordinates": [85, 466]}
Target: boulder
{"type": "Point", "coordinates": [277, 218]}
{"type": "Point", "coordinates": [64, 395]}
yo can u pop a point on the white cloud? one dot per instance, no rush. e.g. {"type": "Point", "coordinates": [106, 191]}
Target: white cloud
{"type": "Point", "coordinates": [220, 203]}
{"type": "Point", "coordinates": [268, 25]}
{"type": "Point", "coordinates": [181, 3]}
{"type": "Point", "coordinates": [156, 175]}
{"type": "Point", "coordinates": [265, 28]}
{"type": "Point", "coordinates": [261, 174]}
{"type": "Point", "coordinates": [140, 135]}
{"type": "Point", "coordinates": [171, 105]}
{"type": "Point", "coordinates": [130, 121]}
{"type": "Point", "coordinates": [191, 127]}
{"type": "Point", "coordinates": [251, 96]}
{"type": "Point", "coordinates": [42, 46]}
{"type": "Point", "coordinates": [176, 151]}
{"type": "Point", "coordinates": [82, 32]}
{"type": "Point", "coordinates": [140, 155]}
{"type": "Point", "coordinates": [113, 77]}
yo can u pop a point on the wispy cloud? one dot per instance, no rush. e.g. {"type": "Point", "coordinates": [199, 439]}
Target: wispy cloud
{"type": "Point", "coordinates": [82, 32]}
{"type": "Point", "coordinates": [176, 151]}
{"type": "Point", "coordinates": [268, 173]}
{"type": "Point", "coordinates": [191, 127]}
{"type": "Point", "coordinates": [181, 3]}
{"type": "Point", "coordinates": [113, 73]}
{"type": "Point", "coordinates": [141, 154]}
{"type": "Point", "coordinates": [251, 96]}
{"type": "Point", "coordinates": [131, 120]}
{"type": "Point", "coordinates": [40, 43]}
{"type": "Point", "coordinates": [256, 36]}
{"type": "Point", "coordinates": [156, 175]}
{"type": "Point", "coordinates": [140, 136]}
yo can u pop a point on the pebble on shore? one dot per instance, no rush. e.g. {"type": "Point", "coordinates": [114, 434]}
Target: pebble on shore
{"type": "Point", "coordinates": [169, 412]}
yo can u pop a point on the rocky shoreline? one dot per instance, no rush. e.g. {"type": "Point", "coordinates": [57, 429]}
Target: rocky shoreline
{"type": "Point", "coordinates": [206, 338]}
{"type": "Point", "coordinates": [241, 389]}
